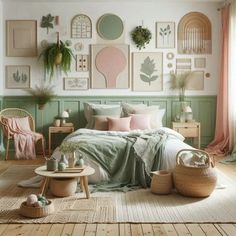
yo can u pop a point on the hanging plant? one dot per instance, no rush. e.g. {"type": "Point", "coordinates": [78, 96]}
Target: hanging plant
{"type": "Point", "coordinates": [141, 36]}
{"type": "Point", "coordinates": [57, 56]}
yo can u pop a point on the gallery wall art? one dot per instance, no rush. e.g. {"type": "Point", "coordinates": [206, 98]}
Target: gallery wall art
{"type": "Point", "coordinates": [196, 81]}
{"type": "Point", "coordinates": [147, 71]}
{"type": "Point", "coordinates": [81, 27]}
{"type": "Point", "coordinates": [165, 34]}
{"type": "Point", "coordinates": [17, 77]}
{"type": "Point", "coordinates": [110, 26]}
{"type": "Point", "coordinates": [76, 83]}
{"type": "Point", "coordinates": [82, 62]}
{"type": "Point", "coordinates": [110, 66]}
{"type": "Point", "coordinates": [194, 34]}
{"type": "Point", "coordinates": [21, 38]}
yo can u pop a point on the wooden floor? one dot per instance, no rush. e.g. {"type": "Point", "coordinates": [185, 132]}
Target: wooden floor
{"type": "Point", "coordinates": [117, 229]}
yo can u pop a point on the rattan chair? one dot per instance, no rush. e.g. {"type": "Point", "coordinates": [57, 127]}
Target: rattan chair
{"type": "Point", "coordinates": [16, 112]}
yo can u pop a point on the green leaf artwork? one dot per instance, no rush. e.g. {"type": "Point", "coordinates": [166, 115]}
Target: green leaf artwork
{"type": "Point", "coordinates": [19, 77]}
{"type": "Point", "coordinates": [47, 22]}
{"type": "Point", "coordinates": [147, 69]}
{"type": "Point", "coordinates": [165, 34]}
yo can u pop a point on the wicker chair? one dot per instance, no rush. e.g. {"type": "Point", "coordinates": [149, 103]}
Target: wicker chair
{"type": "Point", "coordinates": [16, 112]}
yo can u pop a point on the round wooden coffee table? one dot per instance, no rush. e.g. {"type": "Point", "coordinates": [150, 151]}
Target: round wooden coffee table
{"type": "Point", "coordinates": [42, 171]}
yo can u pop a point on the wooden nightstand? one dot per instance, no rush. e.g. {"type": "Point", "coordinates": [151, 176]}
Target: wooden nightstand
{"type": "Point", "coordinates": [57, 130]}
{"type": "Point", "coordinates": [189, 130]}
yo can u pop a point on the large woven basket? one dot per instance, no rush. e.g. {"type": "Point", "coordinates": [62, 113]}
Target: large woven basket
{"type": "Point", "coordinates": [194, 181]}
{"type": "Point", "coordinates": [161, 182]}
{"type": "Point", "coordinates": [36, 212]}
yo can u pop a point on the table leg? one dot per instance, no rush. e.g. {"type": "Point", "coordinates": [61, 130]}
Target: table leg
{"type": "Point", "coordinates": [81, 183]}
{"type": "Point", "coordinates": [44, 185]}
{"type": "Point", "coordinates": [85, 184]}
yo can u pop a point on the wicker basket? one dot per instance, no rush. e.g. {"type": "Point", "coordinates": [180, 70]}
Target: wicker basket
{"type": "Point", "coordinates": [161, 182]}
{"type": "Point", "coordinates": [194, 181]}
{"type": "Point", "coordinates": [36, 212]}
{"type": "Point", "coordinates": [63, 187]}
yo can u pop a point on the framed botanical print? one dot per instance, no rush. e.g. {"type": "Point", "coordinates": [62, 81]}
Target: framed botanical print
{"type": "Point", "coordinates": [17, 77]}
{"type": "Point", "coordinates": [76, 83]}
{"type": "Point", "coordinates": [147, 71]}
{"type": "Point", "coordinates": [21, 38]}
{"type": "Point", "coordinates": [165, 34]}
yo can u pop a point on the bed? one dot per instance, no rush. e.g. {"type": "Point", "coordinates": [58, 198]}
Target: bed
{"type": "Point", "coordinates": [124, 143]}
{"type": "Point", "coordinates": [124, 160]}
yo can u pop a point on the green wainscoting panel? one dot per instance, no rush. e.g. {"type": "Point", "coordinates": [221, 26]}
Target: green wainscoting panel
{"type": "Point", "coordinates": [204, 109]}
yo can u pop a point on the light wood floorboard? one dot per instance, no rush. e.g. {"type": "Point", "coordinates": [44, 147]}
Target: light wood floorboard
{"type": "Point", "coordinates": [116, 229]}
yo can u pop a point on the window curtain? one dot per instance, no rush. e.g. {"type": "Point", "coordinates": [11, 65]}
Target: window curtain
{"type": "Point", "coordinates": [232, 76]}
{"type": "Point", "coordinates": [220, 145]}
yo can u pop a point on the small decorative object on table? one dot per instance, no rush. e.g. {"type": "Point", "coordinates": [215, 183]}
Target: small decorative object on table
{"type": "Point", "coordinates": [70, 148]}
{"type": "Point", "coordinates": [36, 206]}
{"type": "Point", "coordinates": [52, 164]}
{"type": "Point", "coordinates": [80, 161]}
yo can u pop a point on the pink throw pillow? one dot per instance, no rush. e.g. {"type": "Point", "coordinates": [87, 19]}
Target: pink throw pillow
{"type": "Point", "coordinates": [119, 124]}
{"type": "Point", "coordinates": [140, 121]}
{"type": "Point", "coordinates": [21, 123]}
{"type": "Point", "coordinates": [101, 123]}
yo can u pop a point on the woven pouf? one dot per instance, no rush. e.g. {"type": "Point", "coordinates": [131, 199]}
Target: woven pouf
{"type": "Point", "coordinates": [161, 182]}
{"type": "Point", "coordinates": [63, 187]}
{"type": "Point", "coordinates": [194, 181]}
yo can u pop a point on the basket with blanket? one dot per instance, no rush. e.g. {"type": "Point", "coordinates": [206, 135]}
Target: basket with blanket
{"type": "Point", "coordinates": [194, 174]}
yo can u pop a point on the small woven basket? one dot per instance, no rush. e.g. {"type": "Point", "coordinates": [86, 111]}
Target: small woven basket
{"type": "Point", "coordinates": [36, 212]}
{"type": "Point", "coordinates": [194, 181]}
{"type": "Point", "coordinates": [161, 182]}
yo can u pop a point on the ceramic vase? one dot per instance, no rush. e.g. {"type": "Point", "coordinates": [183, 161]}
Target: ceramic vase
{"type": "Point", "coordinates": [80, 162]}
{"type": "Point", "coordinates": [63, 159]}
{"type": "Point", "coordinates": [72, 160]}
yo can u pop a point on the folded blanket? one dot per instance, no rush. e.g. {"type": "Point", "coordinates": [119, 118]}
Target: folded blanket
{"type": "Point", "coordinates": [24, 138]}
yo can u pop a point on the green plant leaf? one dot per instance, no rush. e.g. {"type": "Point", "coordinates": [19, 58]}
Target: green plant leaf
{"type": "Point", "coordinates": [144, 78]}
{"type": "Point", "coordinates": [148, 66]}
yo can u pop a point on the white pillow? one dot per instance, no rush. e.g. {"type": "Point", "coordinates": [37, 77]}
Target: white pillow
{"type": "Point", "coordinates": [88, 111]}
{"type": "Point", "coordinates": [128, 108]}
{"type": "Point", "coordinates": [156, 115]}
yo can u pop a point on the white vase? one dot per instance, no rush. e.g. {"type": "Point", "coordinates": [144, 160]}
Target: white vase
{"type": "Point", "coordinates": [72, 160]}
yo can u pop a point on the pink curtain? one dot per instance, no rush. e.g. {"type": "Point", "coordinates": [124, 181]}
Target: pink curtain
{"type": "Point", "coordinates": [220, 144]}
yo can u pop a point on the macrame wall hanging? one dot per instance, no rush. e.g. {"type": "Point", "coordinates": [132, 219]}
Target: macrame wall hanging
{"type": "Point", "coordinates": [194, 34]}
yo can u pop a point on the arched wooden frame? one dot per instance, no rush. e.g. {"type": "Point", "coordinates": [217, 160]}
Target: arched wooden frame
{"type": "Point", "coordinates": [194, 34]}
{"type": "Point", "coordinates": [81, 26]}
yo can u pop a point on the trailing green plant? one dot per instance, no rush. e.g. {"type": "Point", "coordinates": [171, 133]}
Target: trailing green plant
{"type": "Point", "coordinates": [141, 36]}
{"type": "Point", "coordinates": [42, 94]}
{"type": "Point", "coordinates": [180, 82]}
{"type": "Point", "coordinates": [57, 56]}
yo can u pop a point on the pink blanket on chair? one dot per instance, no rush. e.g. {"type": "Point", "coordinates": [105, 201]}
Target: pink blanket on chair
{"type": "Point", "coordinates": [24, 137]}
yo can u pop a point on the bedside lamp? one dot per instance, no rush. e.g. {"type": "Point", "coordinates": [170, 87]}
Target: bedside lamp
{"type": "Point", "coordinates": [64, 115]}
{"type": "Point", "coordinates": [188, 113]}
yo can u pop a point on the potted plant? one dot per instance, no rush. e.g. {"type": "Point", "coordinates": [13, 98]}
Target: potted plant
{"type": "Point", "coordinates": [141, 36]}
{"type": "Point", "coordinates": [72, 147]}
{"type": "Point", "coordinates": [57, 56]}
{"type": "Point", "coordinates": [42, 95]}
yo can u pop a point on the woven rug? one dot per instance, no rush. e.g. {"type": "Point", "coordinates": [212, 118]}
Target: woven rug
{"type": "Point", "coordinates": [110, 207]}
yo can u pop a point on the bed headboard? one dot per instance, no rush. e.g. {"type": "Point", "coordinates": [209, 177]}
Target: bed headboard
{"type": "Point", "coordinates": [204, 109]}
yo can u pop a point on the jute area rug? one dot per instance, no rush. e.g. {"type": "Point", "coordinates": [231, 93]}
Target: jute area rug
{"type": "Point", "coordinates": [111, 207]}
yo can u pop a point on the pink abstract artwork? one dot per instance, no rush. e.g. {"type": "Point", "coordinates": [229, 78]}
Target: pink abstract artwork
{"type": "Point", "coordinates": [110, 62]}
